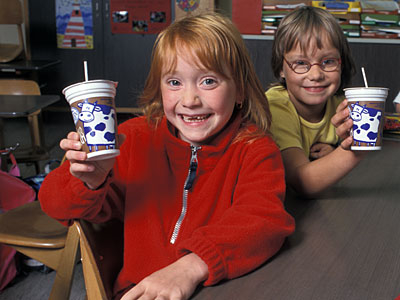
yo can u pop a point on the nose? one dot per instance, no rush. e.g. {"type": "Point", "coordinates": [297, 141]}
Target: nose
{"type": "Point", "coordinates": [190, 97]}
{"type": "Point", "coordinates": [315, 73]}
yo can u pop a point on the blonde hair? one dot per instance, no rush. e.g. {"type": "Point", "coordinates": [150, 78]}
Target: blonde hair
{"type": "Point", "coordinates": [299, 28]}
{"type": "Point", "coordinates": [219, 47]}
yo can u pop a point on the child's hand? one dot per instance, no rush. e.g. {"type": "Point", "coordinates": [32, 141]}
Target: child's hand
{"type": "Point", "coordinates": [177, 281]}
{"type": "Point", "coordinates": [319, 150]}
{"type": "Point", "coordinates": [93, 173]}
{"type": "Point", "coordinates": [343, 123]}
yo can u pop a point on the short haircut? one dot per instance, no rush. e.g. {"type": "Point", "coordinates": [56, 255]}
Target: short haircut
{"type": "Point", "coordinates": [303, 25]}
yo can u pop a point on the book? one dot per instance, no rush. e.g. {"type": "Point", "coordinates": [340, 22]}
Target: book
{"type": "Point", "coordinates": [338, 6]}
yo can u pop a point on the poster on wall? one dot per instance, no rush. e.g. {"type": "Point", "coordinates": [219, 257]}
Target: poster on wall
{"type": "Point", "coordinates": [184, 8]}
{"type": "Point", "coordinates": [74, 24]}
{"type": "Point", "coordinates": [138, 16]}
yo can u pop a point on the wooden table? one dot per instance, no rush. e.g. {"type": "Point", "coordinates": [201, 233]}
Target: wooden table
{"type": "Point", "coordinates": [29, 106]}
{"type": "Point", "coordinates": [346, 245]}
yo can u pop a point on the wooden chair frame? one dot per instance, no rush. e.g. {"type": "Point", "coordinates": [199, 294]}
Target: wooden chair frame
{"type": "Point", "coordinates": [31, 232]}
{"type": "Point", "coordinates": [11, 13]}
{"type": "Point", "coordinates": [102, 255]}
{"type": "Point", "coordinates": [27, 87]}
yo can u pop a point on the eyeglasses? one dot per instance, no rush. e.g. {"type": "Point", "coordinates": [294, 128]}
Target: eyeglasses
{"type": "Point", "coordinates": [303, 66]}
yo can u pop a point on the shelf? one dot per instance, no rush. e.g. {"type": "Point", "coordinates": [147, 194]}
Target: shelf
{"type": "Point", "coordinates": [351, 40]}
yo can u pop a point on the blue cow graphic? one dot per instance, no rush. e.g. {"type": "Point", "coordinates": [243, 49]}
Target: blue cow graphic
{"type": "Point", "coordinates": [98, 124]}
{"type": "Point", "coordinates": [365, 124]}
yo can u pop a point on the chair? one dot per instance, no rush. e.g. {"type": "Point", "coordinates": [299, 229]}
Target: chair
{"type": "Point", "coordinates": [27, 87]}
{"type": "Point", "coordinates": [101, 248]}
{"type": "Point", "coordinates": [31, 232]}
{"type": "Point", "coordinates": [11, 14]}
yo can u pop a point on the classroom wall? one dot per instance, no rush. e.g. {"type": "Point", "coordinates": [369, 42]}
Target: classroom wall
{"type": "Point", "coordinates": [126, 57]}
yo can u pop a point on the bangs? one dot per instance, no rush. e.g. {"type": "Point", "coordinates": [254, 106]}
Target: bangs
{"type": "Point", "coordinates": [311, 27]}
{"type": "Point", "coordinates": [209, 54]}
{"type": "Point", "coordinates": [305, 37]}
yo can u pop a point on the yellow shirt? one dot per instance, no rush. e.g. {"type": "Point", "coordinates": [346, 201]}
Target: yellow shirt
{"type": "Point", "coordinates": [291, 130]}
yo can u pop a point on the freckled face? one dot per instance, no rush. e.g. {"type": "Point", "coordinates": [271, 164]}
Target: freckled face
{"type": "Point", "coordinates": [312, 89]}
{"type": "Point", "coordinates": [197, 101]}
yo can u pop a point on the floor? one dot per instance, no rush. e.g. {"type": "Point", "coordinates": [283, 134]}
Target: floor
{"type": "Point", "coordinates": [36, 285]}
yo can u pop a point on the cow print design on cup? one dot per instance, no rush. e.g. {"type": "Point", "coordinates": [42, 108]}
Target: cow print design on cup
{"type": "Point", "coordinates": [366, 122]}
{"type": "Point", "coordinates": [98, 125]}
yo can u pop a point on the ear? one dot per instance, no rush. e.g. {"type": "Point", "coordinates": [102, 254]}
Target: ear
{"type": "Point", "coordinates": [282, 74]}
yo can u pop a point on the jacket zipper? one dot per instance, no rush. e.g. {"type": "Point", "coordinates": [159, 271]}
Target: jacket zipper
{"type": "Point", "coordinates": [188, 184]}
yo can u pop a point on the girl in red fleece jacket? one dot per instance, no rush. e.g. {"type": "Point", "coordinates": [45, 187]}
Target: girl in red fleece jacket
{"type": "Point", "coordinates": [199, 182]}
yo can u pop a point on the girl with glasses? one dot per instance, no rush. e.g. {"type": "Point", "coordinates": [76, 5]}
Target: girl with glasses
{"type": "Point", "coordinates": [312, 60]}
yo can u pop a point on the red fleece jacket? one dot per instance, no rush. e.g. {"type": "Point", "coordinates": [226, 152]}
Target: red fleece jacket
{"type": "Point", "coordinates": [235, 219]}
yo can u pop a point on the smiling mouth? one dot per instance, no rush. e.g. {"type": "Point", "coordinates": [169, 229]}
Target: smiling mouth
{"type": "Point", "coordinates": [196, 118]}
{"type": "Point", "coordinates": [315, 88]}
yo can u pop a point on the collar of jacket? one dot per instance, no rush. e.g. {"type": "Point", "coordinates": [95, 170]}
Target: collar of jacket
{"type": "Point", "coordinates": [180, 150]}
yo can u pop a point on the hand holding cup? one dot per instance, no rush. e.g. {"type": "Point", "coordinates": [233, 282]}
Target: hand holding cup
{"type": "Point", "coordinates": [92, 173]}
{"type": "Point", "coordinates": [343, 124]}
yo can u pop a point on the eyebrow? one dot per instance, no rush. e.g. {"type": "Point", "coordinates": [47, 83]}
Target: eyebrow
{"type": "Point", "coordinates": [323, 55]}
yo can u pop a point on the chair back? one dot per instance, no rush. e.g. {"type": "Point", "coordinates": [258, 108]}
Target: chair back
{"type": "Point", "coordinates": [30, 231]}
{"type": "Point", "coordinates": [11, 14]}
{"type": "Point", "coordinates": [102, 256]}
{"type": "Point", "coordinates": [19, 87]}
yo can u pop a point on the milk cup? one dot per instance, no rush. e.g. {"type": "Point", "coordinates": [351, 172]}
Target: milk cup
{"type": "Point", "coordinates": [93, 111]}
{"type": "Point", "coordinates": [367, 108]}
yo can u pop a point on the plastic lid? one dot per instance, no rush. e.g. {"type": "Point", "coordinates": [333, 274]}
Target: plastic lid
{"type": "Point", "coordinates": [366, 92]}
{"type": "Point", "coordinates": [87, 87]}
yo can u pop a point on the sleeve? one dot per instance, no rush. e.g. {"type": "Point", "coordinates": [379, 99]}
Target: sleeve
{"type": "Point", "coordinates": [285, 126]}
{"type": "Point", "coordinates": [65, 197]}
{"type": "Point", "coordinates": [254, 228]}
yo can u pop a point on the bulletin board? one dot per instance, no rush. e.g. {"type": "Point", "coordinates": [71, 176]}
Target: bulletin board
{"type": "Point", "coordinates": [139, 17]}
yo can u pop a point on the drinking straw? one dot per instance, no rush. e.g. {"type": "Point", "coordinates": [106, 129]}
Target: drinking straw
{"type": "Point", "coordinates": [365, 77]}
{"type": "Point", "coordinates": [85, 70]}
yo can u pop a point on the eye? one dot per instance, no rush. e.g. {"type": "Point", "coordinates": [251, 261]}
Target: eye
{"type": "Point", "coordinates": [209, 81]}
{"type": "Point", "coordinates": [300, 63]}
{"type": "Point", "coordinates": [329, 61]}
{"type": "Point", "coordinates": [174, 82]}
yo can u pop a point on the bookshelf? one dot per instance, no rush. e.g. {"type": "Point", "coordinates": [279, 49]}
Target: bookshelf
{"type": "Point", "coordinates": [351, 40]}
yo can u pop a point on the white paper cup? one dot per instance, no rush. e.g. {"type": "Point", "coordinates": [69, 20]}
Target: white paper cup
{"type": "Point", "coordinates": [367, 109]}
{"type": "Point", "coordinates": [93, 110]}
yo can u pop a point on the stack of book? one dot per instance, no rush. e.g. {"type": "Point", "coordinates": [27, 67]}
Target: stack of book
{"type": "Point", "coordinates": [347, 13]}
{"type": "Point", "coordinates": [273, 12]}
{"type": "Point", "coordinates": [380, 19]}
{"type": "Point", "coordinates": [363, 18]}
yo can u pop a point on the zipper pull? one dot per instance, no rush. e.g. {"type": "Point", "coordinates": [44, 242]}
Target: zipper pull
{"type": "Point", "coordinates": [192, 168]}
